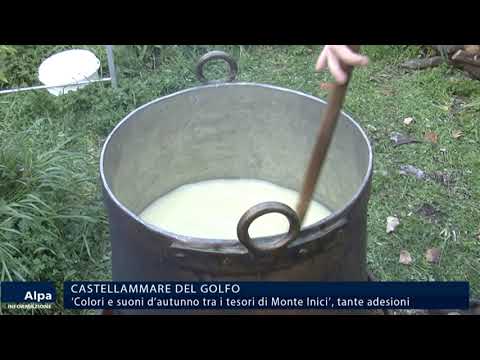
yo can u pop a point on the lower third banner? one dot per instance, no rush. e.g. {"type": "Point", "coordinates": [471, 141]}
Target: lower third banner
{"type": "Point", "coordinates": [266, 295]}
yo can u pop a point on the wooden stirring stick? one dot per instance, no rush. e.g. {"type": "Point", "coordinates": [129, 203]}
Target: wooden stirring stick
{"type": "Point", "coordinates": [324, 137]}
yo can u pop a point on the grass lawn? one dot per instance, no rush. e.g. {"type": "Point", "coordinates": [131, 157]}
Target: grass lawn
{"type": "Point", "coordinates": [52, 221]}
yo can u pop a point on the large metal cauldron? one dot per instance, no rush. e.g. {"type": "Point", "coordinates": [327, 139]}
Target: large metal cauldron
{"type": "Point", "coordinates": [235, 130]}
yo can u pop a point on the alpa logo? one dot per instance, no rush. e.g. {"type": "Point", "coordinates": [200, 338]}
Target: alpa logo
{"type": "Point", "coordinates": [27, 291]}
{"type": "Point", "coordinates": [38, 296]}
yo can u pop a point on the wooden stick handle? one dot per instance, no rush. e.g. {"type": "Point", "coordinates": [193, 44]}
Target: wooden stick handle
{"type": "Point", "coordinates": [324, 137]}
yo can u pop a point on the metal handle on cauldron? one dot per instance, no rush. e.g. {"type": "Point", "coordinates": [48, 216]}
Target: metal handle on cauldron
{"type": "Point", "coordinates": [214, 55]}
{"type": "Point", "coordinates": [295, 219]}
{"type": "Point", "coordinates": [280, 242]}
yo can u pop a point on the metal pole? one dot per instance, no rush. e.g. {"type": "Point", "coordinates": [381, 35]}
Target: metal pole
{"type": "Point", "coordinates": [111, 66]}
{"type": "Point", "coordinates": [9, 91]}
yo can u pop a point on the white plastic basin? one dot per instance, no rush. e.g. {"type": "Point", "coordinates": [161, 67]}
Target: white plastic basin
{"type": "Point", "coordinates": [68, 67]}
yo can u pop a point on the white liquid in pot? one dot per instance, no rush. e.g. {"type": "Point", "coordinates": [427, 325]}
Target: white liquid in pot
{"type": "Point", "coordinates": [211, 209]}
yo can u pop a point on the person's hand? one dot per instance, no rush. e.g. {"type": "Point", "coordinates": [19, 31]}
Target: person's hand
{"type": "Point", "coordinates": [335, 57]}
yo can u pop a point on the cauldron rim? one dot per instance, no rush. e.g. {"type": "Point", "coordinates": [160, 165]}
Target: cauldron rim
{"type": "Point", "coordinates": [232, 246]}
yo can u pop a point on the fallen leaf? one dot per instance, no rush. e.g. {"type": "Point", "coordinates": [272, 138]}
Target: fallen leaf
{"type": "Point", "coordinates": [431, 136]}
{"type": "Point", "coordinates": [400, 139]}
{"type": "Point", "coordinates": [412, 170]}
{"type": "Point", "coordinates": [433, 255]}
{"type": "Point", "coordinates": [392, 223]}
{"type": "Point", "coordinates": [405, 257]}
{"type": "Point", "coordinates": [457, 133]}
{"type": "Point", "coordinates": [408, 120]}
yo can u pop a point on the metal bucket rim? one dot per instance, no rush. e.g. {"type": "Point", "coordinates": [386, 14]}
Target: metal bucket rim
{"type": "Point", "coordinates": [231, 245]}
